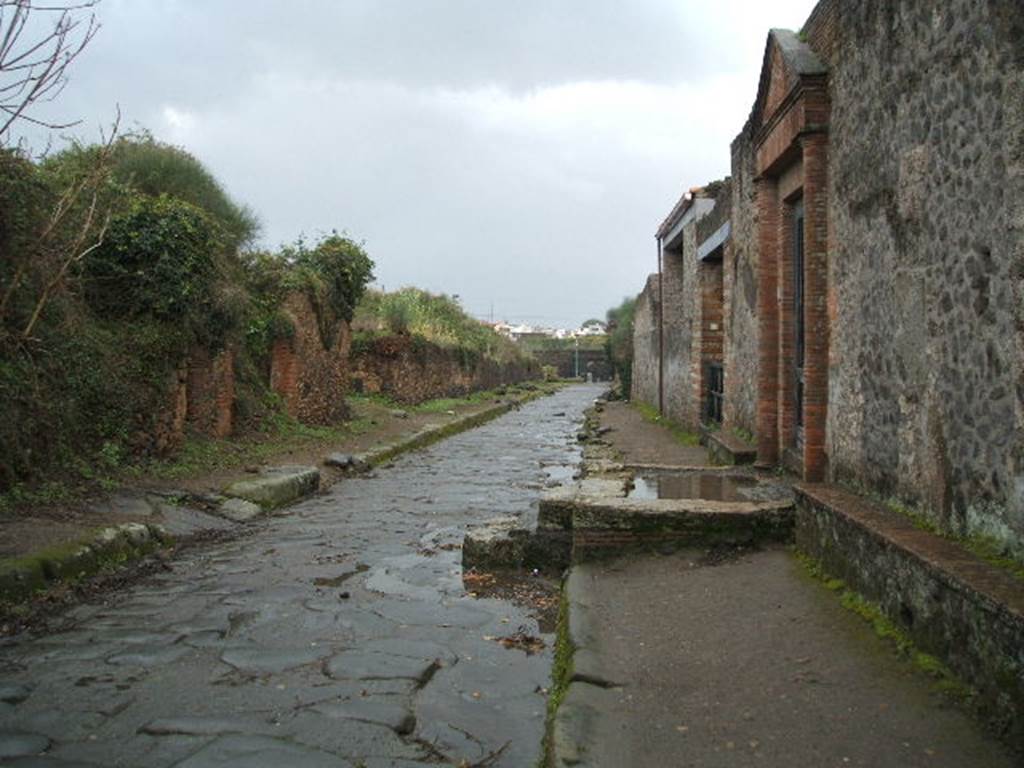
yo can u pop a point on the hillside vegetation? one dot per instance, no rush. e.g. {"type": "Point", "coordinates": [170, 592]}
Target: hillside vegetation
{"type": "Point", "coordinates": [435, 318]}
{"type": "Point", "coordinates": [120, 258]}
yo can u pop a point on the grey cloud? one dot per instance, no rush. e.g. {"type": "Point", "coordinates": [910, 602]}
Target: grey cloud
{"type": "Point", "coordinates": [334, 114]}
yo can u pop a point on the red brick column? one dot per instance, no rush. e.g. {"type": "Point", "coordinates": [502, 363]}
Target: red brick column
{"type": "Point", "coordinates": [816, 321]}
{"type": "Point", "coordinates": [767, 195]}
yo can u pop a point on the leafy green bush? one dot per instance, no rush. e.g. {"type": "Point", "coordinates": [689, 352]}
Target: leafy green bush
{"type": "Point", "coordinates": [333, 274]}
{"type": "Point", "coordinates": [141, 164]}
{"type": "Point", "coordinates": [162, 259]}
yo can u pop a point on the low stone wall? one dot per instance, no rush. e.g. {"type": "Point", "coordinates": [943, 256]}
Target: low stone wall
{"type": "Point", "coordinates": [953, 605]}
{"type": "Point", "coordinates": [410, 370]}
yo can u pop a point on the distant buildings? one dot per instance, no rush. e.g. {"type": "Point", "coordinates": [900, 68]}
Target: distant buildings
{"type": "Point", "coordinates": [525, 332]}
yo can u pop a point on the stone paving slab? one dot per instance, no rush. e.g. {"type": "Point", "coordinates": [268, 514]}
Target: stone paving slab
{"type": "Point", "coordinates": [339, 634]}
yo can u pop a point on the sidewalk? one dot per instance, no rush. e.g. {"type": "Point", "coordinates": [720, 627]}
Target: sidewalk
{"type": "Point", "coordinates": [642, 442]}
{"type": "Point", "coordinates": [739, 658]}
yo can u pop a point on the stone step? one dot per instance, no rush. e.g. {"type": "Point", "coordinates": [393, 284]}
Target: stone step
{"type": "Point", "coordinates": [727, 448]}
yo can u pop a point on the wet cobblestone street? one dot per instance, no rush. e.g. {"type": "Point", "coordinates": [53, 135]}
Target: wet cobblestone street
{"type": "Point", "coordinates": [337, 634]}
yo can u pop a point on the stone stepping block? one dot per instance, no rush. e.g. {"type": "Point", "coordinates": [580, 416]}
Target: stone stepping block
{"type": "Point", "coordinates": [277, 486]}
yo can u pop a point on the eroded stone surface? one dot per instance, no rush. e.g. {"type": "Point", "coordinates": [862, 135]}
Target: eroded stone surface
{"type": "Point", "coordinates": [261, 661]}
{"type": "Point", "coordinates": [14, 744]}
{"type": "Point", "coordinates": [14, 694]}
{"type": "Point", "coordinates": [240, 510]}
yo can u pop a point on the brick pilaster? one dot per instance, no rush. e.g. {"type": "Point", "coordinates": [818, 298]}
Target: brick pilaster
{"type": "Point", "coordinates": [816, 314]}
{"type": "Point", "coordinates": [767, 196]}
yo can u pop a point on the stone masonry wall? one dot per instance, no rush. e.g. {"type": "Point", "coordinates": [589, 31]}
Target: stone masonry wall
{"type": "Point", "coordinates": [926, 189]}
{"type": "Point", "coordinates": [679, 274]}
{"type": "Point", "coordinates": [645, 345]}
{"type": "Point", "coordinates": [309, 373]}
{"type": "Point", "coordinates": [740, 290]}
{"type": "Point", "coordinates": [410, 370]}
{"type": "Point", "coordinates": [210, 392]}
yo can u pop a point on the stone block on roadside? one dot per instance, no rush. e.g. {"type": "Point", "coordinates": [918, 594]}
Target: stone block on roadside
{"type": "Point", "coordinates": [277, 486]}
{"type": "Point", "coordinates": [340, 460]}
{"type": "Point", "coordinates": [346, 462]}
{"type": "Point", "coordinates": [493, 545]}
{"type": "Point", "coordinates": [240, 510]}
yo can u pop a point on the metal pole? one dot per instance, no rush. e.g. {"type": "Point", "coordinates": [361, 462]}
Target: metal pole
{"type": "Point", "coordinates": [577, 346]}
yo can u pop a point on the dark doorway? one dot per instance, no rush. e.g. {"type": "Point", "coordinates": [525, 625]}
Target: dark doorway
{"type": "Point", "coordinates": [798, 320]}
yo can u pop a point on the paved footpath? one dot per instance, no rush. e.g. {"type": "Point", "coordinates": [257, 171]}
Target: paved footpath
{"type": "Point", "coordinates": [719, 659]}
{"type": "Point", "coordinates": [339, 634]}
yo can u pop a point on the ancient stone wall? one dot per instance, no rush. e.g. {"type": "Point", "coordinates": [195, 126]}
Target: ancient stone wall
{"type": "Point", "coordinates": [410, 370]}
{"type": "Point", "coordinates": [679, 274]}
{"type": "Point", "coordinates": [740, 265]}
{"type": "Point", "coordinates": [308, 371]}
{"type": "Point", "coordinates": [645, 344]}
{"type": "Point", "coordinates": [210, 392]}
{"type": "Point", "coordinates": [926, 189]}
{"type": "Point", "coordinates": [591, 361]}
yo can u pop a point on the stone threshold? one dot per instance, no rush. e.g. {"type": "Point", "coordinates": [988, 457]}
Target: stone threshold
{"type": "Point", "coordinates": [950, 602]}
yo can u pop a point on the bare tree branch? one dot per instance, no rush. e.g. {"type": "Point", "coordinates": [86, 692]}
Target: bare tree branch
{"type": "Point", "coordinates": [33, 71]}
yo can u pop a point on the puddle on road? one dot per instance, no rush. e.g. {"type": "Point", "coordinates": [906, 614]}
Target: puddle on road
{"type": "Point", "coordinates": [559, 474]}
{"type": "Point", "coordinates": [337, 581]}
{"type": "Point", "coordinates": [691, 485]}
{"type": "Point", "coordinates": [536, 593]}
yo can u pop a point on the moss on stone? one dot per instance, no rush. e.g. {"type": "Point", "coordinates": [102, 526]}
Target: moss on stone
{"type": "Point", "coordinates": [945, 681]}
{"type": "Point", "coordinates": [561, 675]}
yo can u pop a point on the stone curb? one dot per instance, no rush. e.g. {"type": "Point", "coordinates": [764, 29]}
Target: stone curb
{"type": "Point", "coordinates": [434, 433]}
{"type": "Point", "coordinates": [276, 487]}
{"type": "Point", "coordinates": [22, 577]}
{"type": "Point", "coordinates": [579, 715]}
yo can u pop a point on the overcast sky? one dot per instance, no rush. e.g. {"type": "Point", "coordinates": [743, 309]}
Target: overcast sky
{"type": "Point", "coordinates": [518, 154]}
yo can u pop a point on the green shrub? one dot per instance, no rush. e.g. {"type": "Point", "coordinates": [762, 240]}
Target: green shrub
{"type": "Point", "coordinates": [333, 274]}
{"type": "Point", "coordinates": [619, 342]}
{"type": "Point", "coordinates": [396, 314]}
{"type": "Point", "coordinates": [163, 259]}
